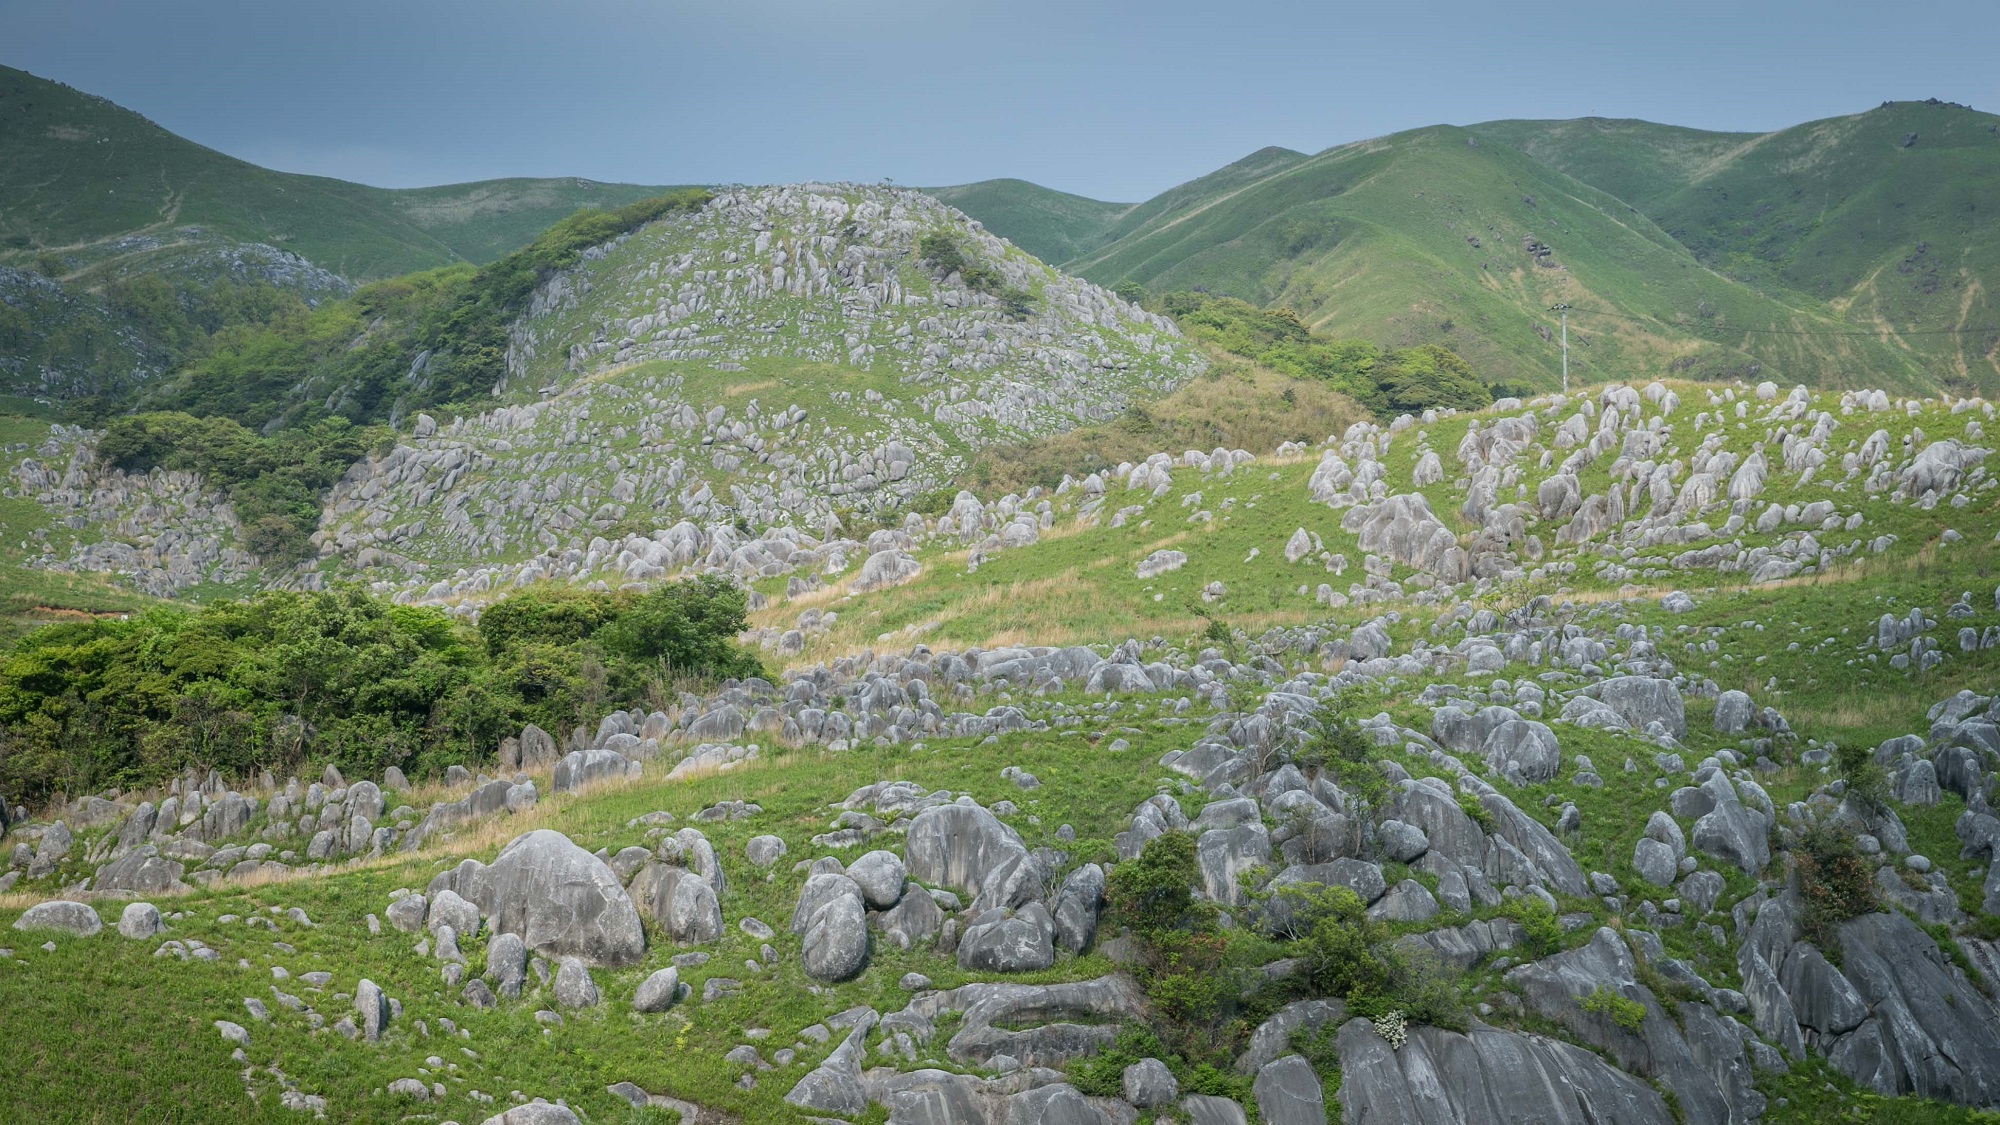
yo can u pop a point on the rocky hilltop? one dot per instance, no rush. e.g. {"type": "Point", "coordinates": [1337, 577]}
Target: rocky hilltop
{"type": "Point", "coordinates": [753, 371]}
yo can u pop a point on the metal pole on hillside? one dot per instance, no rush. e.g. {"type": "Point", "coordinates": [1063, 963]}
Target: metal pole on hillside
{"type": "Point", "coordinates": [1564, 310]}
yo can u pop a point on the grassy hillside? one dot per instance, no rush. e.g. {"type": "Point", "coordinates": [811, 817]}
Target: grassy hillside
{"type": "Point", "coordinates": [1430, 237]}
{"type": "Point", "coordinates": [78, 172]}
{"type": "Point", "coordinates": [1054, 226]}
{"type": "Point", "coordinates": [1883, 215]}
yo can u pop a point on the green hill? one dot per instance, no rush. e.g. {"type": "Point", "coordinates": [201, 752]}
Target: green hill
{"type": "Point", "coordinates": [1052, 225]}
{"type": "Point", "coordinates": [1435, 236]}
{"type": "Point", "coordinates": [78, 173]}
{"type": "Point", "coordinates": [1883, 215]}
{"type": "Point", "coordinates": [1833, 251]}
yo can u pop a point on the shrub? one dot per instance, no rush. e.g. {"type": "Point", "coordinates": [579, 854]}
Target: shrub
{"type": "Point", "coordinates": [338, 676]}
{"type": "Point", "coordinates": [1835, 883]}
{"type": "Point", "coordinates": [1626, 1013]}
{"type": "Point", "coordinates": [943, 251]}
{"type": "Point", "coordinates": [1473, 807]}
{"type": "Point", "coordinates": [1542, 930]}
{"type": "Point", "coordinates": [1388, 381]}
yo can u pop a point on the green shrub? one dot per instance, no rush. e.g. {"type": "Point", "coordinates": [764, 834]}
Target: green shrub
{"type": "Point", "coordinates": [1388, 381]}
{"type": "Point", "coordinates": [1835, 883]}
{"type": "Point", "coordinates": [1542, 931]}
{"type": "Point", "coordinates": [1626, 1013]}
{"type": "Point", "coordinates": [339, 676]}
{"type": "Point", "coordinates": [1476, 809]}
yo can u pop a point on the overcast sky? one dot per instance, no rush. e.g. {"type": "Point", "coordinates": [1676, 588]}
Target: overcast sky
{"type": "Point", "coordinates": [1117, 101]}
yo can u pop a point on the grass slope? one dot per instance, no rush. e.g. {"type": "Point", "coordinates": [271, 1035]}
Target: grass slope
{"type": "Point", "coordinates": [1882, 215]}
{"type": "Point", "coordinates": [77, 171]}
{"type": "Point", "coordinates": [1421, 238]}
{"type": "Point", "coordinates": [1054, 226]}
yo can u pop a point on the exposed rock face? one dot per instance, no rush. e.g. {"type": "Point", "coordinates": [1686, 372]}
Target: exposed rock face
{"type": "Point", "coordinates": [560, 899]}
{"type": "Point", "coordinates": [1700, 1057]}
{"type": "Point", "coordinates": [1494, 1075]}
{"type": "Point", "coordinates": [957, 845]}
{"type": "Point", "coordinates": [141, 871]}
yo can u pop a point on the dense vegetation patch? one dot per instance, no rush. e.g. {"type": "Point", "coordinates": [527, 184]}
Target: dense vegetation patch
{"type": "Point", "coordinates": [285, 678]}
{"type": "Point", "coordinates": [273, 482]}
{"type": "Point", "coordinates": [432, 339]}
{"type": "Point", "coordinates": [1388, 381]}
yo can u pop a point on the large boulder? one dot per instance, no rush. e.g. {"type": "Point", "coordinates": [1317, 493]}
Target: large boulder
{"type": "Point", "coordinates": [1077, 907]}
{"type": "Point", "coordinates": [60, 914]}
{"type": "Point", "coordinates": [1288, 1093]}
{"type": "Point", "coordinates": [141, 871]}
{"type": "Point", "coordinates": [1494, 1076]}
{"type": "Point", "coordinates": [836, 939]}
{"type": "Point", "coordinates": [562, 900]}
{"type": "Point", "coordinates": [879, 876]}
{"type": "Point", "coordinates": [1009, 941]}
{"type": "Point", "coordinates": [681, 902]}
{"type": "Point", "coordinates": [140, 920]}
{"type": "Point", "coordinates": [1641, 700]}
{"type": "Point", "coordinates": [1732, 831]}
{"type": "Point", "coordinates": [956, 846]}
{"type": "Point", "coordinates": [1225, 855]}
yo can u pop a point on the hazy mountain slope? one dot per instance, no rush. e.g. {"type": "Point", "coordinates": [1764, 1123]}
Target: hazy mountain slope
{"type": "Point", "coordinates": [1883, 215]}
{"type": "Point", "coordinates": [78, 171]}
{"type": "Point", "coordinates": [480, 221]}
{"type": "Point", "coordinates": [1637, 161]}
{"type": "Point", "coordinates": [1052, 225]}
{"type": "Point", "coordinates": [1425, 237]}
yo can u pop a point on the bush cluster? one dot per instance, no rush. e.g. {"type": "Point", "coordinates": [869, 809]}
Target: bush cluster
{"type": "Point", "coordinates": [274, 483]}
{"type": "Point", "coordinates": [342, 677]}
{"type": "Point", "coordinates": [1388, 381]}
{"type": "Point", "coordinates": [1835, 882]}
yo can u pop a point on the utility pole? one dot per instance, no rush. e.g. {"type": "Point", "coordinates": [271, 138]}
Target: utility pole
{"type": "Point", "coordinates": [1564, 310]}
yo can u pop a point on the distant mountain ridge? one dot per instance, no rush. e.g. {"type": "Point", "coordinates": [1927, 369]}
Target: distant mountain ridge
{"type": "Point", "coordinates": [78, 171]}
{"type": "Point", "coordinates": [1850, 248]}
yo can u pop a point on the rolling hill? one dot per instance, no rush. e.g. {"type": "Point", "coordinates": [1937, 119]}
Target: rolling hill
{"type": "Point", "coordinates": [78, 173]}
{"type": "Point", "coordinates": [1845, 250]}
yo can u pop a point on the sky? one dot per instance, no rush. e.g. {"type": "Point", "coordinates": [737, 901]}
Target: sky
{"type": "Point", "coordinates": [1114, 101]}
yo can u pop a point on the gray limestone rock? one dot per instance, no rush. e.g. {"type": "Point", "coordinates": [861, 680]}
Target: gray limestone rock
{"type": "Point", "coordinates": [1402, 842]}
{"type": "Point", "coordinates": [1407, 901]}
{"type": "Point", "coordinates": [141, 871]}
{"type": "Point", "coordinates": [61, 914]}
{"type": "Point", "coordinates": [1148, 1084]}
{"type": "Point", "coordinates": [1655, 862]}
{"type": "Point", "coordinates": [1225, 855]}
{"type": "Point", "coordinates": [1485, 1074]}
{"type": "Point", "coordinates": [1641, 700]}
{"type": "Point", "coordinates": [408, 913]}
{"type": "Point", "coordinates": [1289, 1093]}
{"type": "Point", "coordinates": [1078, 904]}
{"type": "Point", "coordinates": [1005, 941]}
{"type": "Point", "coordinates": [371, 1009]}
{"type": "Point", "coordinates": [880, 877]}
{"type": "Point", "coordinates": [658, 992]}
{"type": "Point", "coordinates": [507, 964]}
{"type": "Point", "coordinates": [1731, 831]}
{"type": "Point", "coordinates": [956, 846]}
{"type": "Point", "coordinates": [1733, 712]}
{"type": "Point", "coordinates": [140, 920]}
{"type": "Point", "coordinates": [573, 987]}
{"type": "Point", "coordinates": [562, 900]}
{"type": "Point", "coordinates": [836, 939]}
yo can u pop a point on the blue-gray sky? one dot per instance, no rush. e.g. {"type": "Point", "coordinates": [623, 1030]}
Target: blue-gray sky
{"type": "Point", "coordinates": [1117, 101]}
